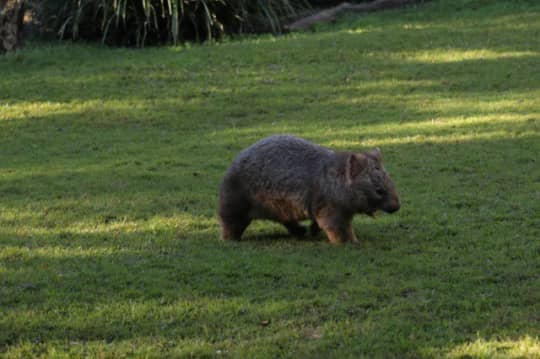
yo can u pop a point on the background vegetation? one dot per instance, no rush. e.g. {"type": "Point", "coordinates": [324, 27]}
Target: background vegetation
{"type": "Point", "coordinates": [139, 22]}
{"type": "Point", "coordinates": [142, 22]}
{"type": "Point", "coordinates": [111, 159]}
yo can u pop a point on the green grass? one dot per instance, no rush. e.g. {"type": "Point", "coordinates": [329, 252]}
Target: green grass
{"type": "Point", "coordinates": [111, 160]}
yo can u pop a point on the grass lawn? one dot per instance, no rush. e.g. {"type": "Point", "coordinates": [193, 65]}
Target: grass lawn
{"type": "Point", "coordinates": [111, 161]}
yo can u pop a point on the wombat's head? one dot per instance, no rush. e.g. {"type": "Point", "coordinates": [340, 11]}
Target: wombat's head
{"type": "Point", "coordinates": [369, 180]}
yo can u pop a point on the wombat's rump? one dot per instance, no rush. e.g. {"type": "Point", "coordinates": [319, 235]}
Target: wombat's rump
{"type": "Point", "coordinates": [287, 179]}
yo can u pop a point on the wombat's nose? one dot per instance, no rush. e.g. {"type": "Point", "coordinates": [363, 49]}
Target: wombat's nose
{"type": "Point", "coordinates": [393, 206]}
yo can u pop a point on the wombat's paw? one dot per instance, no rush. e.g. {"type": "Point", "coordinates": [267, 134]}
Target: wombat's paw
{"type": "Point", "coordinates": [226, 237]}
{"type": "Point", "coordinates": [229, 238]}
{"type": "Point", "coordinates": [230, 235]}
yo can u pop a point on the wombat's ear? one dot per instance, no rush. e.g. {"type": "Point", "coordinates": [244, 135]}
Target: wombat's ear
{"type": "Point", "coordinates": [356, 163]}
{"type": "Point", "coordinates": [376, 153]}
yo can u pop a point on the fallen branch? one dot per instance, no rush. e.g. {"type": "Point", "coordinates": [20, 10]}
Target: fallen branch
{"type": "Point", "coordinates": [331, 14]}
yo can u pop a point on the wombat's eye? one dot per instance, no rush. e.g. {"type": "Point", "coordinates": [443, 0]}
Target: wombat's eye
{"type": "Point", "coordinates": [380, 191]}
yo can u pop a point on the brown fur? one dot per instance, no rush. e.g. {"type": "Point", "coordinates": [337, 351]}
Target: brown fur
{"type": "Point", "coordinates": [287, 179]}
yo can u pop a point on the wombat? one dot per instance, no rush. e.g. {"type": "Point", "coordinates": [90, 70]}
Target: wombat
{"type": "Point", "coordinates": [288, 179]}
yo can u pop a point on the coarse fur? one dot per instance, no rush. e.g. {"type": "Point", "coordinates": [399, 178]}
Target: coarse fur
{"type": "Point", "coordinates": [288, 179]}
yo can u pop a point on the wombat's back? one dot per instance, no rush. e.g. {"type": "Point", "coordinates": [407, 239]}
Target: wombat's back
{"type": "Point", "coordinates": [279, 163]}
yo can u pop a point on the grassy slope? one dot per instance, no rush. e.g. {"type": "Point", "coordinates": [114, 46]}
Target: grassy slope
{"type": "Point", "coordinates": [110, 163]}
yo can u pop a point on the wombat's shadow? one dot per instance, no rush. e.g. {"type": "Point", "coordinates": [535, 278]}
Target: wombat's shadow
{"type": "Point", "coordinates": [278, 235]}
{"type": "Point", "coordinates": [271, 236]}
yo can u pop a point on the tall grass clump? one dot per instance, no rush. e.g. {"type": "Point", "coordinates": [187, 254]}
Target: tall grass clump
{"type": "Point", "coordinates": [140, 22]}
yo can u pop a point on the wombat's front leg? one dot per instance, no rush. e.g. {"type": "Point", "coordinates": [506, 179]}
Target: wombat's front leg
{"type": "Point", "coordinates": [338, 228]}
{"type": "Point", "coordinates": [341, 234]}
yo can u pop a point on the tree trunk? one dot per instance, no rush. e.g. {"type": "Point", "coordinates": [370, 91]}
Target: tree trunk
{"type": "Point", "coordinates": [332, 13]}
{"type": "Point", "coordinates": [11, 24]}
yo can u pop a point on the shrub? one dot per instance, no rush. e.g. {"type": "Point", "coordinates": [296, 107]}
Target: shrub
{"type": "Point", "coordinates": [140, 22]}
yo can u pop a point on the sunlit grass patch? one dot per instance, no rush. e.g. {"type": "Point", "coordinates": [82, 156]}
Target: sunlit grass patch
{"type": "Point", "coordinates": [459, 55]}
{"type": "Point", "coordinates": [525, 347]}
{"type": "Point", "coordinates": [434, 139]}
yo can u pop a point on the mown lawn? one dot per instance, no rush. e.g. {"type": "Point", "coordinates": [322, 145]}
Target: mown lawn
{"type": "Point", "coordinates": [111, 160]}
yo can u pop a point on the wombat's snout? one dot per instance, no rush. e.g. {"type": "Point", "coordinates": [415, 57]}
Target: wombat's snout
{"type": "Point", "coordinates": [392, 205]}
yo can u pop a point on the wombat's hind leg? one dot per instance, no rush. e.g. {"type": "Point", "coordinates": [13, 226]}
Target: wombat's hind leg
{"type": "Point", "coordinates": [351, 234]}
{"type": "Point", "coordinates": [295, 229]}
{"type": "Point", "coordinates": [314, 228]}
{"type": "Point", "coordinates": [234, 228]}
{"type": "Point", "coordinates": [233, 213]}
